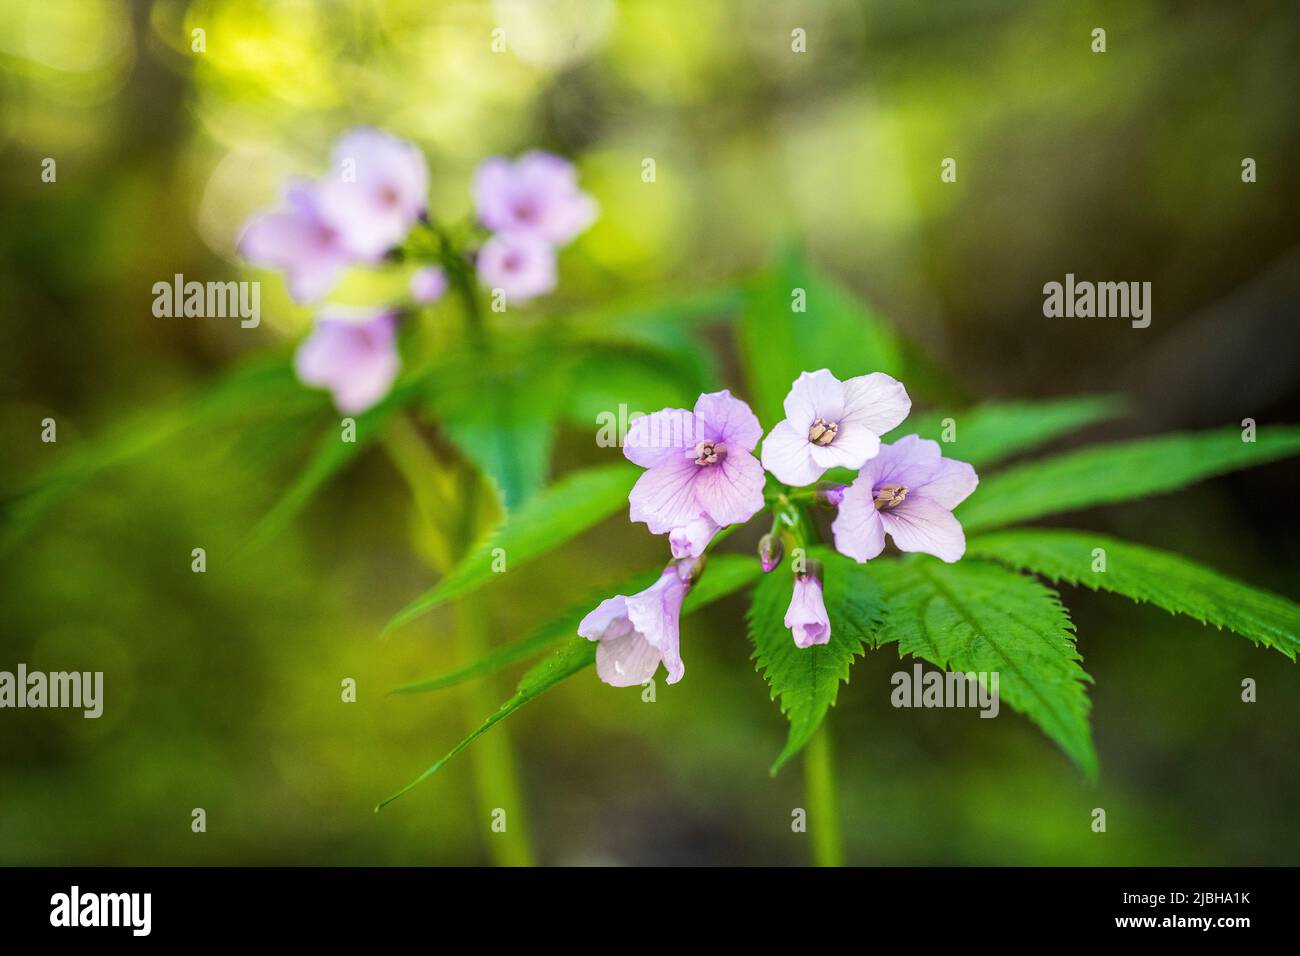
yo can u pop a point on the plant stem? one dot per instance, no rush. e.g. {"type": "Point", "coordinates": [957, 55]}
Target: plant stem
{"type": "Point", "coordinates": [819, 794]}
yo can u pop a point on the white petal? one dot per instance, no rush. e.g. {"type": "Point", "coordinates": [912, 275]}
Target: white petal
{"type": "Point", "coordinates": [787, 453]}
{"type": "Point", "coordinates": [875, 401]}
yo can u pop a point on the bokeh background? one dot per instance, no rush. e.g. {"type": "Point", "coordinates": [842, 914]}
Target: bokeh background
{"type": "Point", "coordinates": [223, 688]}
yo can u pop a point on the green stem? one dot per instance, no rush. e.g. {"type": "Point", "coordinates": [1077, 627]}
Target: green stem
{"type": "Point", "coordinates": [823, 805]}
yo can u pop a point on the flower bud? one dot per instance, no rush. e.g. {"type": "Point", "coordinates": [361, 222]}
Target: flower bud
{"type": "Point", "coordinates": [829, 494]}
{"type": "Point", "coordinates": [770, 551]}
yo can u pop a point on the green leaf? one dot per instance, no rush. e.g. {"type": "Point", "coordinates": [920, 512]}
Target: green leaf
{"type": "Point", "coordinates": [567, 508]}
{"type": "Point", "coordinates": [835, 332]}
{"type": "Point", "coordinates": [1104, 474]}
{"type": "Point", "coordinates": [978, 617]}
{"type": "Point", "coordinates": [991, 432]}
{"type": "Point", "coordinates": [1167, 580]}
{"type": "Point", "coordinates": [807, 680]}
{"type": "Point", "coordinates": [729, 573]}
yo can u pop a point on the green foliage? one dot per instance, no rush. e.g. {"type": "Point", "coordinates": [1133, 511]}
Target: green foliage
{"type": "Point", "coordinates": [807, 680]}
{"type": "Point", "coordinates": [1105, 474]}
{"type": "Point", "coordinates": [729, 574]}
{"type": "Point", "coordinates": [989, 433]}
{"type": "Point", "coordinates": [564, 510]}
{"type": "Point", "coordinates": [1167, 580]}
{"type": "Point", "coordinates": [836, 332]}
{"type": "Point", "coordinates": [974, 617]}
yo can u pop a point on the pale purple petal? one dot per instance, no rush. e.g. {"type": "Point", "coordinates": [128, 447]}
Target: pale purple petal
{"type": "Point", "coordinates": [919, 524]}
{"type": "Point", "coordinates": [375, 192]}
{"type": "Point", "coordinates": [297, 241]}
{"type": "Point", "coordinates": [627, 661]}
{"type": "Point", "coordinates": [636, 633]}
{"type": "Point", "coordinates": [664, 497]}
{"type": "Point", "coordinates": [876, 402]}
{"type": "Point", "coordinates": [851, 448]}
{"type": "Point", "coordinates": [521, 266]}
{"type": "Point", "coordinates": [949, 483]}
{"type": "Point", "coordinates": [356, 360]}
{"type": "Point", "coordinates": [787, 454]}
{"type": "Point", "coordinates": [661, 437]}
{"type": "Point", "coordinates": [428, 284]}
{"type": "Point", "coordinates": [727, 419]}
{"type": "Point", "coordinates": [806, 617]}
{"type": "Point", "coordinates": [608, 620]}
{"type": "Point", "coordinates": [690, 540]}
{"type": "Point", "coordinates": [537, 195]}
{"type": "Point", "coordinates": [731, 492]}
{"type": "Point", "coordinates": [859, 533]}
{"type": "Point", "coordinates": [814, 395]}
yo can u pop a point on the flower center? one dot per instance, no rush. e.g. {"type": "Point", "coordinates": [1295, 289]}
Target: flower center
{"type": "Point", "coordinates": [388, 197]}
{"type": "Point", "coordinates": [889, 496]}
{"type": "Point", "coordinates": [822, 432]}
{"type": "Point", "coordinates": [709, 452]}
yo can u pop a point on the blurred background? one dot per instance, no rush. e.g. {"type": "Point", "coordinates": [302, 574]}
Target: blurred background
{"type": "Point", "coordinates": [223, 689]}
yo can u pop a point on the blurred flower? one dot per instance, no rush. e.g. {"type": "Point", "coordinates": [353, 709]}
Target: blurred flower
{"type": "Point", "coordinates": [521, 266]}
{"type": "Point", "coordinates": [909, 491]}
{"type": "Point", "coordinates": [690, 540]}
{"type": "Point", "coordinates": [355, 358]}
{"type": "Point", "coordinates": [428, 284]}
{"type": "Point", "coordinates": [832, 424]}
{"type": "Point", "coordinates": [297, 240]}
{"type": "Point", "coordinates": [637, 633]}
{"type": "Point", "coordinates": [700, 463]}
{"type": "Point", "coordinates": [537, 195]}
{"type": "Point", "coordinates": [806, 617]}
{"type": "Point", "coordinates": [378, 187]}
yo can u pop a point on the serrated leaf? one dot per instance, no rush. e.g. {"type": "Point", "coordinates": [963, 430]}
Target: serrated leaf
{"type": "Point", "coordinates": [806, 680]}
{"type": "Point", "coordinates": [732, 573]}
{"type": "Point", "coordinates": [991, 432]}
{"type": "Point", "coordinates": [1104, 474]}
{"type": "Point", "coordinates": [1167, 580]}
{"type": "Point", "coordinates": [978, 617]}
{"type": "Point", "coordinates": [835, 332]}
{"type": "Point", "coordinates": [567, 508]}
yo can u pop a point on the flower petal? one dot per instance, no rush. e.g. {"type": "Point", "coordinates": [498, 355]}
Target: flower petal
{"type": "Point", "coordinates": [655, 439]}
{"type": "Point", "coordinates": [665, 496]}
{"type": "Point", "coordinates": [731, 492]}
{"type": "Point", "coordinates": [627, 661]}
{"type": "Point", "coordinates": [919, 524]}
{"type": "Point", "coordinates": [727, 419]}
{"type": "Point", "coordinates": [787, 454]}
{"type": "Point", "coordinates": [949, 484]}
{"type": "Point", "coordinates": [814, 395]}
{"type": "Point", "coordinates": [852, 447]}
{"type": "Point", "coordinates": [877, 402]}
{"type": "Point", "coordinates": [859, 533]}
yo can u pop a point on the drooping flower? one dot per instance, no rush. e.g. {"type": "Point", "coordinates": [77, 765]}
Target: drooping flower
{"type": "Point", "coordinates": [699, 463]}
{"type": "Point", "coordinates": [376, 190]}
{"type": "Point", "coordinates": [638, 633]}
{"type": "Point", "coordinates": [521, 266]}
{"type": "Point", "coordinates": [296, 239]}
{"type": "Point", "coordinates": [832, 424]}
{"type": "Point", "coordinates": [537, 195]}
{"type": "Point", "coordinates": [806, 617]}
{"type": "Point", "coordinates": [907, 491]}
{"type": "Point", "coordinates": [690, 540]}
{"type": "Point", "coordinates": [355, 357]}
{"type": "Point", "coordinates": [428, 284]}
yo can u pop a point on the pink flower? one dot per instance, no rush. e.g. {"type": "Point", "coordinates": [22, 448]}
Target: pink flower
{"type": "Point", "coordinates": [377, 188]}
{"type": "Point", "coordinates": [806, 617]}
{"type": "Point", "coordinates": [355, 358]}
{"type": "Point", "coordinates": [297, 240]}
{"type": "Point", "coordinates": [832, 424]}
{"type": "Point", "coordinates": [637, 633]}
{"type": "Point", "coordinates": [428, 284]}
{"type": "Point", "coordinates": [909, 491]}
{"type": "Point", "coordinates": [521, 266]}
{"type": "Point", "coordinates": [537, 195]}
{"type": "Point", "coordinates": [700, 464]}
{"type": "Point", "coordinates": [690, 540]}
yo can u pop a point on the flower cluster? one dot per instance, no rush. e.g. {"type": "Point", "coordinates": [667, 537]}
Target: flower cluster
{"type": "Point", "coordinates": [363, 211]}
{"type": "Point", "coordinates": [701, 476]}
